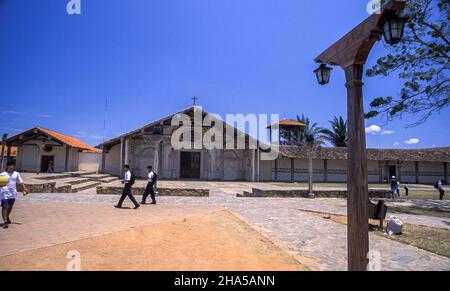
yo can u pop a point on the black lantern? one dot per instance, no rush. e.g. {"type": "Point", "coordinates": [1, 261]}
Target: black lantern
{"type": "Point", "coordinates": [393, 29]}
{"type": "Point", "coordinates": [323, 74]}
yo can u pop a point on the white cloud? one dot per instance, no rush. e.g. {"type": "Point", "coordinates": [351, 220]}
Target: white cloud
{"type": "Point", "coordinates": [373, 129]}
{"type": "Point", "coordinates": [44, 116]}
{"type": "Point", "coordinates": [388, 132]}
{"type": "Point", "coordinates": [13, 112]}
{"type": "Point", "coordinates": [412, 141]}
{"type": "Point", "coordinates": [396, 143]}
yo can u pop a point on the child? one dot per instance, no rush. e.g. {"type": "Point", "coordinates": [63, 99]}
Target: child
{"type": "Point", "coordinates": [8, 194]}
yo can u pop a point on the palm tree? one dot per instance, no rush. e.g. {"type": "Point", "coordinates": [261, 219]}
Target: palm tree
{"type": "Point", "coordinates": [338, 136]}
{"type": "Point", "coordinates": [311, 137]}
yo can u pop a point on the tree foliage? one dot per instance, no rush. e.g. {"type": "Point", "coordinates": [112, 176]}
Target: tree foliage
{"type": "Point", "coordinates": [421, 60]}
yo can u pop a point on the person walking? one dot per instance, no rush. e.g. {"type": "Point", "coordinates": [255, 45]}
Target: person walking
{"type": "Point", "coordinates": [128, 181]}
{"type": "Point", "coordinates": [406, 187]}
{"type": "Point", "coordinates": [439, 186]}
{"type": "Point", "coordinates": [395, 187]}
{"type": "Point", "coordinates": [8, 193]}
{"type": "Point", "coordinates": [51, 168]}
{"type": "Point", "coordinates": [150, 190]}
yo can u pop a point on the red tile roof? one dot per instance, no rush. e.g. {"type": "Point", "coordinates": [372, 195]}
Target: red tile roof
{"type": "Point", "coordinates": [71, 141]}
{"type": "Point", "coordinates": [13, 152]}
{"type": "Point", "coordinates": [287, 122]}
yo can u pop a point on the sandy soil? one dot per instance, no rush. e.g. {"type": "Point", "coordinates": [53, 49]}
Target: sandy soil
{"type": "Point", "coordinates": [214, 240]}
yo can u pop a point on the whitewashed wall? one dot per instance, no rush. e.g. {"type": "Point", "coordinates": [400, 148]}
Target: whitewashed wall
{"type": "Point", "coordinates": [112, 161]}
{"type": "Point", "coordinates": [89, 162]}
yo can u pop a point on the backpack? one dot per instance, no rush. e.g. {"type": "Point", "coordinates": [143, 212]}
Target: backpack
{"type": "Point", "coordinates": [132, 180]}
{"type": "Point", "coordinates": [436, 185]}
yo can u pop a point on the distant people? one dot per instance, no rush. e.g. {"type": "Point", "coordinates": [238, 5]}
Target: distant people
{"type": "Point", "coordinates": [406, 187]}
{"type": "Point", "coordinates": [150, 190]}
{"type": "Point", "coordinates": [8, 194]}
{"type": "Point", "coordinates": [439, 186]}
{"type": "Point", "coordinates": [395, 187]}
{"type": "Point", "coordinates": [51, 168]}
{"type": "Point", "coordinates": [128, 181]}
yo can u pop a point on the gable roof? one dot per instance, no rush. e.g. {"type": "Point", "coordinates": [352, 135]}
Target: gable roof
{"type": "Point", "coordinates": [116, 140]}
{"type": "Point", "coordinates": [62, 138]}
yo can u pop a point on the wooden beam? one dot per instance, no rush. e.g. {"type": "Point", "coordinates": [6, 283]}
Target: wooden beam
{"type": "Point", "coordinates": [355, 46]}
{"type": "Point", "coordinates": [357, 185]}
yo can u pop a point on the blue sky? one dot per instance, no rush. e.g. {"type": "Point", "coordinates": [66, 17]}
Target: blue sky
{"type": "Point", "coordinates": [149, 57]}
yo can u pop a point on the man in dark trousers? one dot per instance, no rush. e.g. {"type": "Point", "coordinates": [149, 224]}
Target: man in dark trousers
{"type": "Point", "coordinates": [128, 181]}
{"type": "Point", "coordinates": [150, 190]}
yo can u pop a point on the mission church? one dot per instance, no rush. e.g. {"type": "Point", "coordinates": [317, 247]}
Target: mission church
{"type": "Point", "coordinates": [152, 145]}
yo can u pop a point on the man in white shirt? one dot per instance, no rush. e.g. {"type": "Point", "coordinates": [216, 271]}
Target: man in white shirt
{"type": "Point", "coordinates": [8, 194]}
{"type": "Point", "coordinates": [150, 190]}
{"type": "Point", "coordinates": [128, 181]}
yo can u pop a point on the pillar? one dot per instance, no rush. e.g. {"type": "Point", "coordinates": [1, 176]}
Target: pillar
{"type": "Point", "coordinates": [417, 173]}
{"type": "Point", "coordinates": [292, 170]}
{"type": "Point", "coordinates": [103, 160]}
{"type": "Point", "coordinates": [276, 170]}
{"type": "Point", "coordinates": [38, 159]}
{"type": "Point", "coordinates": [325, 171]}
{"type": "Point", "coordinates": [253, 162]}
{"type": "Point", "coordinates": [67, 161]}
{"type": "Point", "coordinates": [358, 196]}
{"type": "Point", "coordinates": [445, 173]}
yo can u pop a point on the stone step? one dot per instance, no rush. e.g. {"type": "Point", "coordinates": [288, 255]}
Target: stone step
{"type": "Point", "coordinates": [85, 186]}
{"type": "Point", "coordinates": [62, 188]}
{"type": "Point", "coordinates": [108, 180]}
{"type": "Point", "coordinates": [51, 177]}
{"type": "Point", "coordinates": [74, 181]}
{"type": "Point", "coordinates": [81, 173]}
{"type": "Point", "coordinates": [96, 177]}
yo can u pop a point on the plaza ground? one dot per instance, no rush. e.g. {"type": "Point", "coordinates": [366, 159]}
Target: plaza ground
{"type": "Point", "coordinates": [220, 232]}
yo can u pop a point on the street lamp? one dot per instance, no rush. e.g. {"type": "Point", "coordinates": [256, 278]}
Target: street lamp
{"type": "Point", "coordinates": [393, 29]}
{"type": "Point", "coordinates": [351, 53]}
{"type": "Point", "coordinates": [323, 74]}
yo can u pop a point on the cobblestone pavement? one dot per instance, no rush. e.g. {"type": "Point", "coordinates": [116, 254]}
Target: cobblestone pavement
{"type": "Point", "coordinates": [319, 243]}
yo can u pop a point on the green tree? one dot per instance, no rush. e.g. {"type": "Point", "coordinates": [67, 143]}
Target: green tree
{"type": "Point", "coordinates": [338, 135]}
{"type": "Point", "coordinates": [422, 62]}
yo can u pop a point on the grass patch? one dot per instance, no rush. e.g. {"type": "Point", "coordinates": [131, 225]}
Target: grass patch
{"type": "Point", "coordinates": [434, 240]}
{"type": "Point", "coordinates": [441, 213]}
{"type": "Point", "coordinates": [415, 193]}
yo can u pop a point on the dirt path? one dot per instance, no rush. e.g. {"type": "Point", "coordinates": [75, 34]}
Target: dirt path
{"type": "Point", "coordinates": [211, 239]}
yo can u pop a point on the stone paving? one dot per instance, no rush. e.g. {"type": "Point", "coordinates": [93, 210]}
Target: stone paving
{"type": "Point", "coordinates": [319, 243]}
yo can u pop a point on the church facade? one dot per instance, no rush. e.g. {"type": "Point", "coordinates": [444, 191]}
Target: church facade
{"type": "Point", "coordinates": [153, 145]}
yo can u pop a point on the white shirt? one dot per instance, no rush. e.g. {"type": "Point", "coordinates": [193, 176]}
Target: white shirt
{"type": "Point", "coordinates": [127, 176]}
{"type": "Point", "coordinates": [9, 191]}
{"type": "Point", "coordinates": [150, 176]}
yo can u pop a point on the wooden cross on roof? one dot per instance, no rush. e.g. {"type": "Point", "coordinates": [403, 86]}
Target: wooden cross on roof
{"type": "Point", "coordinates": [195, 99]}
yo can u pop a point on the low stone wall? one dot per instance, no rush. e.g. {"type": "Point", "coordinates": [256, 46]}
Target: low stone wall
{"type": "Point", "coordinates": [182, 192]}
{"type": "Point", "coordinates": [47, 187]}
{"type": "Point", "coordinates": [300, 193]}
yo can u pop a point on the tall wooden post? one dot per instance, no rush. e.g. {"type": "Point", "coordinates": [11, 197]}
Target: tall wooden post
{"type": "Point", "coordinates": [357, 187]}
